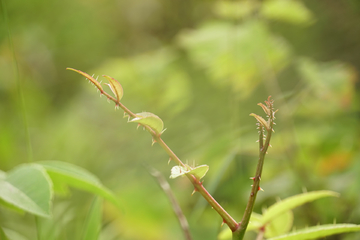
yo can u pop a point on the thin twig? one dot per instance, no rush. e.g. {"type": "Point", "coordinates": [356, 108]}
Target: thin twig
{"type": "Point", "coordinates": [263, 147]}
{"type": "Point", "coordinates": [175, 205]}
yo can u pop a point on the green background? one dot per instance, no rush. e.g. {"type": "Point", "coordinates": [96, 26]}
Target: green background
{"type": "Point", "coordinates": [201, 66]}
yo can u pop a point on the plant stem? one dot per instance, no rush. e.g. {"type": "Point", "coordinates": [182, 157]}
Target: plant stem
{"type": "Point", "coordinates": [263, 147]}
{"type": "Point", "coordinates": [227, 219]}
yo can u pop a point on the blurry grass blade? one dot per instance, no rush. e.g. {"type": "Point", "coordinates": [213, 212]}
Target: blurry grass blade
{"type": "Point", "coordinates": [66, 173]}
{"type": "Point", "coordinates": [2, 234]}
{"type": "Point", "coordinates": [91, 79]}
{"type": "Point", "coordinates": [28, 187]}
{"type": "Point", "coordinates": [150, 120]}
{"type": "Point", "coordinates": [293, 202]}
{"type": "Point", "coordinates": [320, 231]}
{"type": "Point", "coordinates": [115, 87]}
{"type": "Point", "coordinates": [93, 221]}
{"type": "Point", "coordinates": [200, 171]}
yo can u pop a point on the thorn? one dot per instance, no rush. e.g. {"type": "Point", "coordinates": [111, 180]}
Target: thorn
{"type": "Point", "coordinates": [273, 130]}
{"type": "Point", "coordinates": [252, 178]}
{"type": "Point", "coordinates": [137, 127]}
{"type": "Point", "coordinates": [257, 141]}
{"type": "Point", "coordinates": [143, 128]}
{"type": "Point", "coordinates": [274, 123]}
{"type": "Point", "coordinates": [270, 145]}
{"type": "Point", "coordinates": [153, 142]}
{"type": "Point", "coordinates": [260, 189]}
{"type": "Point", "coordinates": [108, 100]}
{"type": "Point", "coordinates": [194, 192]}
{"type": "Point", "coordinates": [222, 224]}
{"type": "Point", "coordinates": [163, 131]}
{"type": "Point", "coordinates": [169, 160]}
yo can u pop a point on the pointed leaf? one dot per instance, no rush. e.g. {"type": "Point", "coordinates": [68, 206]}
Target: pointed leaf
{"type": "Point", "coordinates": [150, 120]}
{"type": "Point", "coordinates": [261, 121]}
{"type": "Point", "coordinates": [96, 83]}
{"type": "Point", "coordinates": [280, 224]}
{"type": "Point", "coordinates": [293, 202]}
{"type": "Point", "coordinates": [265, 108]}
{"type": "Point", "coordinates": [115, 87]}
{"type": "Point", "coordinates": [93, 220]}
{"type": "Point", "coordinates": [199, 172]}
{"type": "Point", "coordinates": [318, 232]}
{"type": "Point", "coordinates": [28, 187]}
{"type": "Point", "coordinates": [177, 171]}
{"type": "Point", "coordinates": [74, 176]}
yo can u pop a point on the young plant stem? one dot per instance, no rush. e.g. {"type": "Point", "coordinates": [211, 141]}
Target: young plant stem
{"type": "Point", "coordinates": [198, 186]}
{"type": "Point", "coordinates": [239, 233]}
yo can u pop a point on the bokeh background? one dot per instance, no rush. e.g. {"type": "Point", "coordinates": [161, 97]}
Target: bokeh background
{"type": "Point", "coordinates": [202, 66]}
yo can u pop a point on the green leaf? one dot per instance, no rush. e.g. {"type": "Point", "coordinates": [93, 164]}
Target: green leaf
{"type": "Point", "coordinates": [2, 175]}
{"type": "Point", "coordinates": [319, 232]}
{"type": "Point", "coordinates": [234, 10]}
{"type": "Point", "coordinates": [29, 188]}
{"type": "Point", "coordinates": [2, 235]}
{"type": "Point", "coordinates": [91, 79]}
{"type": "Point", "coordinates": [279, 225]}
{"type": "Point", "coordinates": [286, 10]}
{"type": "Point", "coordinates": [150, 120]}
{"type": "Point", "coordinates": [200, 171]}
{"type": "Point", "coordinates": [115, 87]}
{"type": "Point", "coordinates": [294, 201]}
{"type": "Point", "coordinates": [65, 173]}
{"type": "Point", "coordinates": [93, 220]}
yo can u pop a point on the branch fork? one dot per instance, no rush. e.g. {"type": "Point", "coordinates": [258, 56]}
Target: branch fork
{"type": "Point", "coordinates": [154, 125]}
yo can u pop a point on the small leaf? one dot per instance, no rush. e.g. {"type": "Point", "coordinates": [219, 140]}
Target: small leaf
{"type": "Point", "coordinates": [29, 188]}
{"type": "Point", "coordinates": [265, 108]}
{"type": "Point", "coordinates": [199, 172]}
{"type": "Point", "coordinates": [68, 174]}
{"type": "Point", "coordinates": [317, 232]}
{"type": "Point", "coordinates": [115, 87]}
{"type": "Point", "coordinates": [93, 221]}
{"type": "Point", "coordinates": [150, 120]}
{"type": "Point", "coordinates": [96, 83]}
{"type": "Point", "coordinates": [293, 202]}
{"type": "Point", "coordinates": [261, 121]}
{"type": "Point", "coordinates": [177, 171]}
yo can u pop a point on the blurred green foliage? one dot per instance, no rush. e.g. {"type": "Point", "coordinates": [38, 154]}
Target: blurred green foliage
{"type": "Point", "coordinates": [201, 66]}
